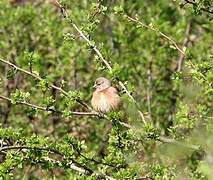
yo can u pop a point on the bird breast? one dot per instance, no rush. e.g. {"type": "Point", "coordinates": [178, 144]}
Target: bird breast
{"type": "Point", "coordinates": [105, 101]}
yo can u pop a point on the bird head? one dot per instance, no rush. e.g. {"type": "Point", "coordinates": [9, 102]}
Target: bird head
{"type": "Point", "coordinates": [101, 83]}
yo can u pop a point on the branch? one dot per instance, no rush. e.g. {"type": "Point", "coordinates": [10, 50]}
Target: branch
{"type": "Point", "coordinates": [184, 46]}
{"type": "Point", "coordinates": [92, 113]}
{"type": "Point", "coordinates": [42, 108]}
{"type": "Point", "coordinates": [173, 141]}
{"type": "Point", "coordinates": [91, 159]}
{"type": "Point", "coordinates": [149, 83]}
{"type": "Point", "coordinates": [195, 4]}
{"type": "Point", "coordinates": [72, 164]}
{"type": "Point", "coordinates": [7, 148]}
{"type": "Point", "coordinates": [81, 170]}
{"type": "Point", "coordinates": [166, 37]}
{"type": "Point", "coordinates": [57, 111]}
{"type": "Point", "coordinates": [164, 139]}
{"type": "Point", "coordinates": [97, 51]}
{"type": "Point", "coordinates": [155, 30]}
{"type": "Point", "coordinates": [39, 78]}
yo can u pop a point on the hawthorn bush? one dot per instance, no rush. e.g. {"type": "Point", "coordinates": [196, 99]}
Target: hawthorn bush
{"type": "Point", "coordinates": [159, 55]}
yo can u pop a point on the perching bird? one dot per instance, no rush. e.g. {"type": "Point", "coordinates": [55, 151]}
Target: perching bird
{"type": "Point", "coordinates": [105, 97]}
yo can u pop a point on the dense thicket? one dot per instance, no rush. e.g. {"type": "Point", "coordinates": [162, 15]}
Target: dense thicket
{"type": "Point", "coordinates": [160, 52]}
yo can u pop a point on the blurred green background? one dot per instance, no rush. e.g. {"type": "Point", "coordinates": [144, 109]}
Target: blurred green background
{"type": "Point", "coordinates": [176, 142]}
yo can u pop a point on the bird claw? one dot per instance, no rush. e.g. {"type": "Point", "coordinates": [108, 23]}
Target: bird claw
{"type": "Point", "coordinates": [101, 114]}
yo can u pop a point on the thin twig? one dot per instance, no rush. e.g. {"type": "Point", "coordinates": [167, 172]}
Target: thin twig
{"type": "Point", "coordinates": [47, 108]}
{"type": "Point", "coordinates": [155, 30]}
{"type": "Point", "coordinates": [90, 159]}
{"type": "Point", "coordinates": [166, 37]}
{"type": "Point", "coordinates": [98, 11]}
{"type": "Point", "coordinates": [195, 4]}
{"type": "Point", "coordinates": [184, 46]}
{"type": "Point", "coordinates": [7, 148]}
{"type": "Point", "coordinates": [93, 46]}
{"type": "Point", "coordinates": [71, 165]}
{"type": "Point", "coordinates": [173, 141]}
{"type": "Point", "coordinates": [149, 82]}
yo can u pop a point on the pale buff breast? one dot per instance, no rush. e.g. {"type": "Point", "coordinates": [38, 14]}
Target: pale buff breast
{"type": "Point", "coordinates": [105, 101]}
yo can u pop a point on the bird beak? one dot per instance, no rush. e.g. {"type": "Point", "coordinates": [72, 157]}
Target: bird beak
{"type": "Point", "coordinates": [94, 86]}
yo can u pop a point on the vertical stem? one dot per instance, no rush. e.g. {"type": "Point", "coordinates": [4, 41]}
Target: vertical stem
{"type": "Point", "coordinates": [149, 79]}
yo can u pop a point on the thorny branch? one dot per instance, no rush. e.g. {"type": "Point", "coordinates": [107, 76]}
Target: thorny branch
{"type": "Point", "coordinates": [57, 111]}
{"type": "Point", "coordinates": [92, 112]}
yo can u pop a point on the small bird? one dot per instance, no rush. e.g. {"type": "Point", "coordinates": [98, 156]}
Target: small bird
{"type": "Point", "coordinates": [105, 97]}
